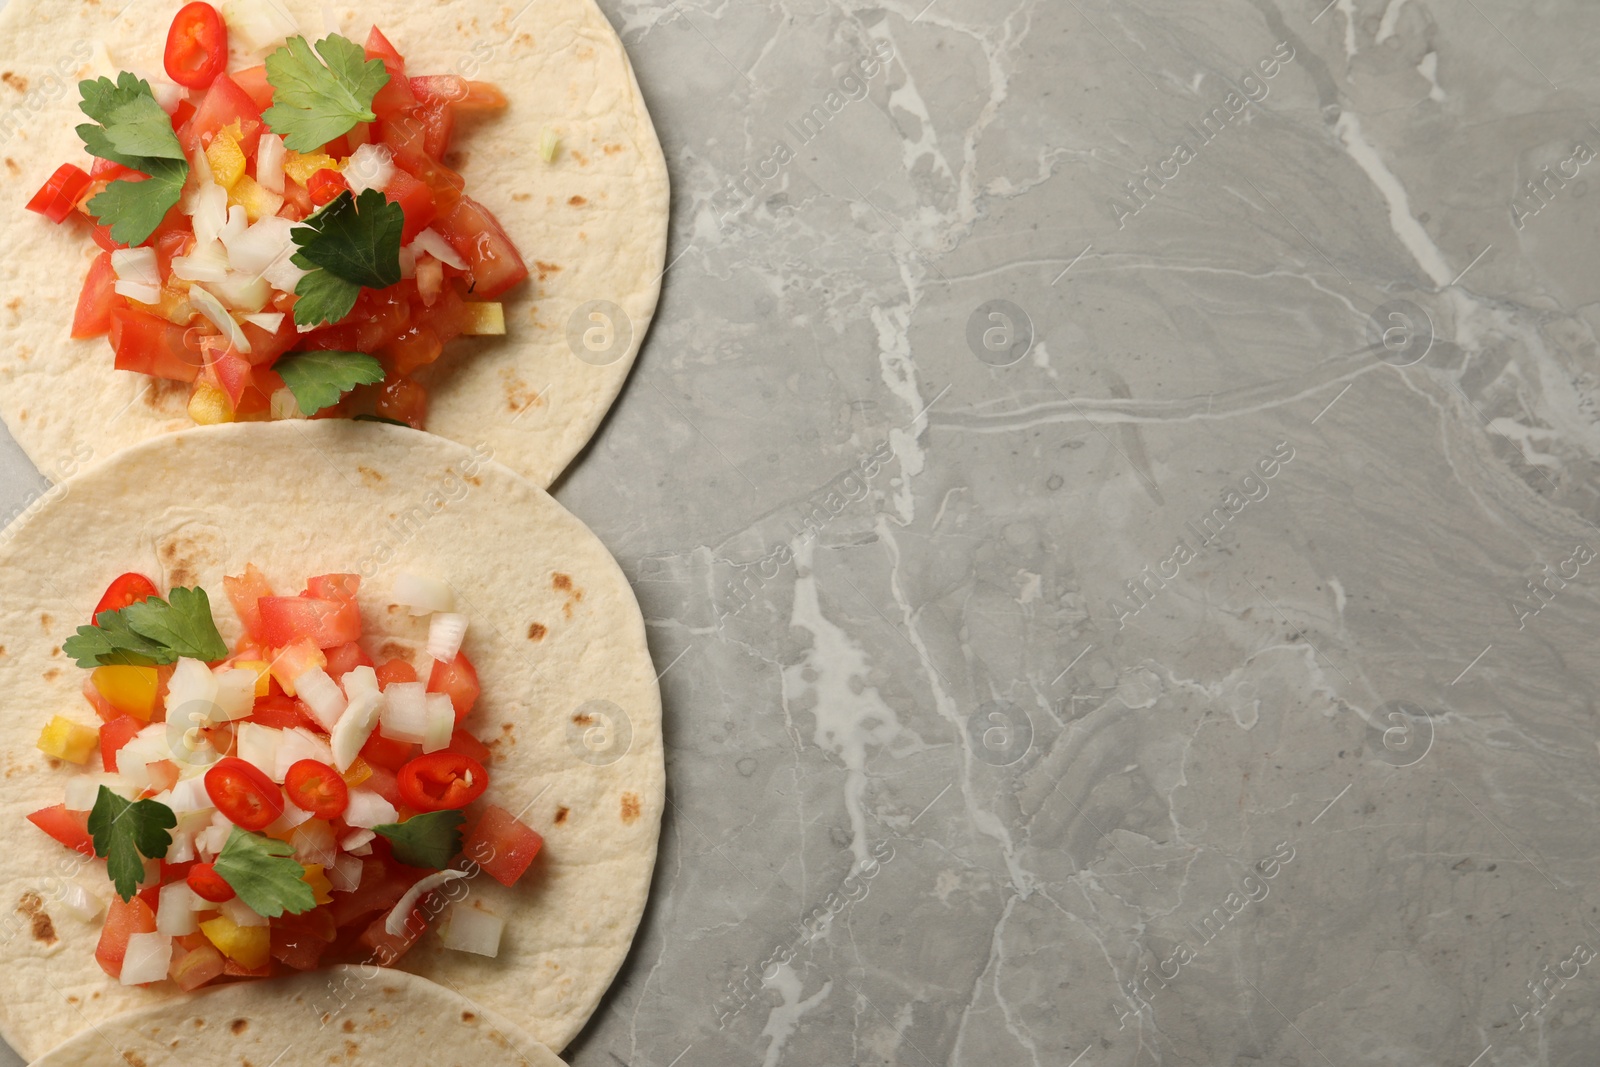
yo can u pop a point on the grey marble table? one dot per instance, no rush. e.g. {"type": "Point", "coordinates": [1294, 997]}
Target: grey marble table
{"type": "Point", "coordinates": [1112, 488]}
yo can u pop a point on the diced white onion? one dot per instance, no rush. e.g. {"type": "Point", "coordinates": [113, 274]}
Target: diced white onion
{"type": "Point", "coordinates": [284, 405]}
{"type": "Point", "coordinates": [209, 842]}
{"type": "Point", "coordinates": [445, 633]}
{"type": "Point", "coordinates": [269, 163]}
{"type": "Point", "coordinates": [297, 744]}
{"type": "Point", "coordinates": [259, 247]}
{"type": "Point", "coordinates": [205, 263]}
{"type": "Point", "coordinates": [212, 309]}
{"type": "Point", "coordinates": [258, 746]}
{"type": "Point", "coordinates": [144, 294]}
{"type": "Point", "coordinates": [293, 815]}
{"type": "Point", "coordinates": [182, 848]}
{"type": "Point", "coordinates": [355, 839]}
{"type": "Point", "coordinates": [440, 722]}
{"type": "Point", "coordinates": [258, 25]}
{"type": "Point", "coordinates": [408, 263]}
{"type": "Point", "coordinates": [405, 711]}
{"type": "Point", "coordinates": [322, 695]}
{"type": "Point", "coordinates": [362, 850]}
{"type": "Point", "coordinates": [175, 909]}
{"type": "Point", "coordinates": [395, 924]}
{"type": "Point", "coordinates": [147, 960]}
{"type": "Point", "coordinates": [284, 276]}
{"type": "Point", "coordinates": [371, 167]}
{"type": "Point", "coordinates": [238, 222]}
{"type": "Point", "coordinates": [136, 265]}
{"type": "Point", "coordinates": [345, 874]}
{"type": "Point", "coordinates": [368, 809]}
{"type": "Point", "coordinates": [190, 795]}
{"type": "Point", "coordinates": [314, 843]}
{"type": "Point", "coordinates": [167, 94]}
{"type": "Point", "coordinates": [74, 898]}
{"type": "Point", "coordinates": [471, 929]}
{"type": "Point", "coordinates": [359, 718]}
{"type": "Point", "coordinates": [192, 695]}
{"type": "Point", "coordinates": [236, 693]}
{"type": "Point", "coordinates": [423, 596]}
{"type": "Point", "coordinates": [245, 293]}
{"type": "Point", "coordinates": [241, 914]}
{"type": "Point", "coordinates": [271, 321]}
{"type": "Point", "coordinates": [210, 210]}
{"type": "Point", "coordinates": [431, 242]}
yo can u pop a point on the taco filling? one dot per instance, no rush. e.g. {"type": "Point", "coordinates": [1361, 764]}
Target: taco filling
{"type": "Point", "coordinates": [285, 804]}
{"type": "Point", "coordinates": [285, 237]}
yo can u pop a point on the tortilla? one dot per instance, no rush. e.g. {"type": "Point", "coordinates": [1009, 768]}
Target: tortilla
{"type": "Point", "coordinates": [592, 224]}
{"type": "Point", "coordinates": [569, 703]}
{"type": "Point", "coordinates": [391, 1017]}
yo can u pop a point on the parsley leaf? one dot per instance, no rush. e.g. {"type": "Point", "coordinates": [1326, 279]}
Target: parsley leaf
{"type": "Point", "coordinates": [356, 239]}
{"type": "Point", "coordinates": [311, 103]}
{"type": "Point", "coordinates": [319, 379]}
{"type": "Point", "coordinates": [263, 871]}
{"type": "Point", "coordinates": [324, 297]}
{"type": "Point", "coordinates": [135, 132]}
{"type": "Point", "coordinates": [428, 840]}
{"type": "Point", "coordinates": [126, 833]}
{"type": "Point", "coordinates": [150, 632]}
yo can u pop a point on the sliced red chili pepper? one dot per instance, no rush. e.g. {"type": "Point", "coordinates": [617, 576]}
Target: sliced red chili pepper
{"type": "Point", "coordinates": [316, 787]}
{"type": "Point", "coordinates": [208, 884]}
{"type": "Point", "coordinates": [243, 794]}
{"type": "Point", "coordinates": [61, 193]}
{"type": "Point", "coordinates": [442, 780]}
{"type": "Point", "coordinates": [197, 46]}
{"type": "Point", "coordinates": [130, 588]}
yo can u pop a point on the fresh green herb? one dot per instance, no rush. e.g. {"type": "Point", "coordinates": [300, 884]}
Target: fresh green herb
{"type": "Point", "coordinates": [312, 103]}
{"type": "Point", "coordinates": [126, 833]}
{"type": "Point", "coordinates": [150, 632]}
{"type": "Point", "coordinates": [353, 242]}
{"type": "Point", "coordinates": [134, 131]}
{"type": "Point", "coordinates": [319, 379]}
{"type": "Point", "coordinates": [378, 418]}
{"type": "Point", "coordinates": [428, 840]}
{"type": "Point", "coordinates": [263, 871]}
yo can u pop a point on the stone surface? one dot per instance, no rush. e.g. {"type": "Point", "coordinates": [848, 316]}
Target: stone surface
{"type": "Point", "coordinates": [1095, 622]}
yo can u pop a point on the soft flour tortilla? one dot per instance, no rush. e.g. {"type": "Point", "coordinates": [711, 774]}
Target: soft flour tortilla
{"type": "Point", "coordinates": [390, 1018]}
{"type": "Point", "coordinates": [592, 224]}
{"type": "Point", "coordinates": [570, 703]}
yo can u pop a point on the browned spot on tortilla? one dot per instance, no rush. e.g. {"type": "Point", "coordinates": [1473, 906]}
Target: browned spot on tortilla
{"type": "Point", "coordinates": [561, 581]}
{"type": "Point", "coordinates": [546, 269]}
{"type": "Point", "coordinates": [370, 476]}
{"type": "Point", "coordinates": [54, 763]}
{"type": "Point", "coordinates": [11, 165]}
{"type": "Point", "coordinates": [525, 39]}
{"type": "Point", "coordinates": [16, 81]}
{"type": "Point", "coordinates": [522, 197]}
{"type": "Point", "coordinates": [350, 1050]}
{"type": "Point", "coordinates": [583, 160]}
{"type": "Point", "coordinates": [133, 1059]}
{"type": "Point", "coordinates": [72, 999]}
{"type": "Point", "coordinates": [199, 1024]}
{"type": "Point", "coordinates": [56, 651]}
{"type": "Point", "coordinates": [32, 905]}
{"type": "Point", "coordinates": [468, 1017]}
{"type": "Point", "coordinates": [583, 718]}
{"type": "Point", "coordinates": [612, 149]}
{"type": "Point", "coordinates": [349, 1026]}
{"type": "Point", "coordinates": [576, 201]}
{"type": "Point", "coordinates": [475, 480]}
{"type": "Point", "coordinates": [14, 303]}
{"type": "Point", "coordinates": [630, 807]}
{"type": "Point", "coordinates": [44, 620]}
{"type": "Point", "coordinates": [520, 396]}
{"type": "Point", "coordinates": [395, 650]}
{"type": "Point", "coordinates": [536, 631]}
{"type": "Point", "coordinates": [52, 674]}
{"type": "Point", "coordinates": [561, 815]}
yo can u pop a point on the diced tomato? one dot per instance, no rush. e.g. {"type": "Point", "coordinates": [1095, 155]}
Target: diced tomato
{"type": "Point", "coordinates": [95, 302]}
{"type": "Point", "coordinates": [346, 658]}
{"type": "Point", "coordinates": [415, 199]}
{"type": "Point", "coordinates": [326, 623]}
{"type": "Point", "coordinates": [123, 920]}
{"type": "Point", "coordinates": [175, 872]}
{"type": "Point", "coordinates": [316, 787]}
{"type": "Point", "coordinates": [71, 828]}
{"type": "Point", "coordinates": [296, 201]}
{"type": "Point", "coordinates": [102, 707]}
{"type": "Point", "coordinates": [502, 845]}
{"type": "Point", "coordinates": [282, 713]}
{"type": "Point", "coordinates": [102, 237]}
{"type": "Point", "coordinates": [243, 794]}
{"type": "Point", "coordinates": [233, 969]}
{"type": "Point", "coordinates": [245, 591]}
{"type": "Point", "coordinates": [385, 948]}
{"type": "Point", "coordinates": [396, 96]}
{"type": "Point", "coordinates": [196, 966]}
{"type": "Point", "coordinates": [386, 752]}
{"type": "Point", "coordinates": [458, 678]}
{"type": "Point", "coordinates": [62, 192]}
{"type": "Point", "coordinates": [395, 670]}
{"type": "Point", "coordinates": [384, 783]}
{"type": "Point", "coordinates": [154, 346]}
{"type": "Point", "coordinates": [182, 114]}
{"type": "Point", "coordinates": [409, 141]}
{"type": "Point", "coordinates": [225, 103]}
{"type": "Point", "coordinates": [466, 744]}
{"type": "Point", "coordinates": [334, 586]}
{"type": "Point", "coordinates": [441, 780]}
{"type": "Point", "coordinates": [477, 236]}
{"type": "Point", "coordinates": [383, 883]}
{"type": "Point", "coordinates": [113, 735]}
{"type": "Point", "coordinates": [130, 588]}
{"type": "Point", "coordinates": [298, 941]}
{"type": "Point", "coordinates": [325, 187]}
{"type": "Point", "coordinates": [463, 95]}
{"type": "Point", "coordinates": [105, 168]}
{"type": "Point", "coordinates": [295, 659]}
{"type": "Point", "coordinates": [253, 80]}
{"type": "Point", "coordinates": [265, 348]}
{"type": "Point", "coordinates": [197, 46]}
{"type": "Point", "coordinates": [403, 399]}
{"type": "Point", "coordinates": [208, 884]}
{"type": "Point", "coordinates": [232, 373]}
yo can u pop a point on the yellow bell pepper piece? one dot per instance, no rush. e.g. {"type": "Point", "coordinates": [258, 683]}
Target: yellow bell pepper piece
{"type": "Point", "coordinates": [321, 887]}
{"type": "Point", "coordinates": [208, 406]}
{"type": "Point", "coordinates": [66, 740]}
{"type": "Point", "coordinates": [263, 671]}
{"type": "Point", "coordinates": [302, 167]}
{"type": "Point", "coordinates": [248, 946]}
{"type": "Point", "coordinates": [131, 690]}
{"type": "Point", "coordinates": [485, 320]}
{"type": "Point", "coordinates": [258, 201]}
{"type": "Point", "coordinates": [359, 772]}
{"type": "Point", "coordinates": [226, 157]}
